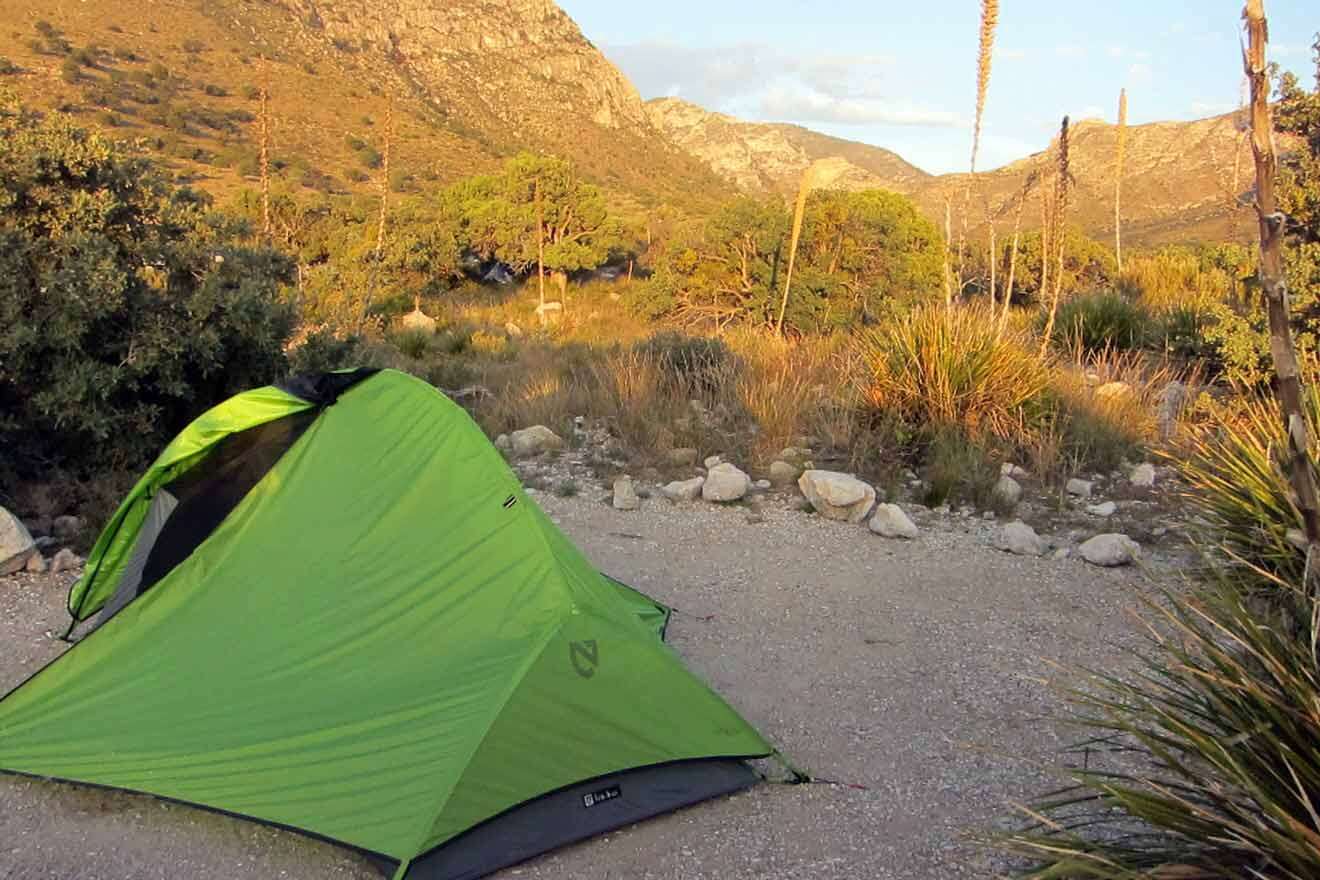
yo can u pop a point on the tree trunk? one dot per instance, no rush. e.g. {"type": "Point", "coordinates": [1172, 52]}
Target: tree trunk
{"type": "Point", "coordinates": [540, 247]}
{"type": "Point", "coordinates": [948, 243]}
{"type": "Point", "coordinates": [1012, 264]}
{"type": "Point", "coordinates": [1275, 289]}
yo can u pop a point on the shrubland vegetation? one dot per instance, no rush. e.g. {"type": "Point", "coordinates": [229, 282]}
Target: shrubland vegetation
{"type": "Point", "coordinates": [129, 303]}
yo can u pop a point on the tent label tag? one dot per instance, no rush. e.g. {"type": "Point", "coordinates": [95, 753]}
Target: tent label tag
{"type": "Point", "coordinates": [597, 797]}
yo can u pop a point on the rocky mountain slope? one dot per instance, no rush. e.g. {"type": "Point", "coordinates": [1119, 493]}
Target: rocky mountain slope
{"type": "Point", "coordinates": [772, 156]}
{"type": "Point", "coordinates": [1179, 176]}
{"type": "Point", "coordinates": [470, 81]}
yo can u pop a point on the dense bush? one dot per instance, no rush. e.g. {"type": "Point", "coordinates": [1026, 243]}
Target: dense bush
{"type": "Point", "coordinates": [125, 308]}
{"type": "Point", "coordinates": [1097, 321]}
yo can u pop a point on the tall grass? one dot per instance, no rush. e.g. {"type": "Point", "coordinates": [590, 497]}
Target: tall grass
{"type": "Point", "coordinates": [951, 368]}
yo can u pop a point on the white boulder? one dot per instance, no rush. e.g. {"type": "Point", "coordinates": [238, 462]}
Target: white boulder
{"type": "Point", "coordinates": [625, 495]}
{"type": "Point", "coordinates": [683, 490]}
{"type": "Point", "coordinates": [891, 522]}
{"type": "Point", "coordinates": [1109, 551]}
{"type": "Point", "coordinates": [784, 473]}
{"type": "Point", "coordinates": [1008, 491]}
{"type": "Point", "coordinates": [1105, 508]}
{"type": "Point", "coordinates": [725, 482]}
{"type": "Point", "coordinates": [1079, 488]}
{"type": "Point", "coordinates": [1143, 476]}
{"type": "Point", "coordinates": [534, 440]}
{"type": "Point", "coordinates": [16, 544]}
{"type": "Point", "coordinates": [1020, 539]}
{"type": "Point", "coordinates": [837, 496]}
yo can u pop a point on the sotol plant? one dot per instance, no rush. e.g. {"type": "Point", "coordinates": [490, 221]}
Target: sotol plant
{"type": "Point", "coordinates": [1058, 212]}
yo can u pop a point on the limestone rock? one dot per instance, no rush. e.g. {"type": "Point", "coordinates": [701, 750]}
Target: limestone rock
{"type": "Point", "coordinates": [837, 496]}
{"type": "Point", "coordinates": [1008, 469]}
{"type": "Point", "coordinates": [1143, 476]}
{"type": "Point", "coordinates": [1079, 488]}
{"type": "Point", "coordinates": [418, 321]}
{"type": "Point", "coordinates": [783, 473]}
{"type": "Point", "coordinates": [891, 522]}
{"type": "Point", "coordinates": [1020, 539]}
{"type": "Point", "coordinates": [16, 543]}
{"type": "Point", "coordinates": [625, 495]}
{"type": "Point", "coordinates": [65, 560]}
{"type": "Point", "coordinates": [1105, 508]}
{"type": "Point", "coordinates": [36, 564]}
{"type": "Point", "coordinates": [1109, 551]}
{"type": "Point", "coordinates": [534, 441]}
{"type": "Point", "coordinates": [683, 490]}
{"type": "Point", "coordinates": [1008, 490]}
{"type": "Point", "coordinates": [725, 482]}
{"type": "Point", "coordinates": [712, 460]}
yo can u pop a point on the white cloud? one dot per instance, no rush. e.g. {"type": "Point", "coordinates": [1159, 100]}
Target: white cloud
{"type": "Point", "coordinates": [799, 105]}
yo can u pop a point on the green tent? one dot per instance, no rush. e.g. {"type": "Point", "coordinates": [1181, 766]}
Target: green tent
{"type": "Point", "coordinates": [329, 606]}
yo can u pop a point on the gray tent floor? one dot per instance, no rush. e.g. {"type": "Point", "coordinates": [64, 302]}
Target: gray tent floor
{"type": "Point", "coordinates": [910, 668]}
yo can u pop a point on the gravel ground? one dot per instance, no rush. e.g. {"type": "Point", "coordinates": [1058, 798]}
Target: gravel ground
{"type": "Point", "coordinates": [910, 668]}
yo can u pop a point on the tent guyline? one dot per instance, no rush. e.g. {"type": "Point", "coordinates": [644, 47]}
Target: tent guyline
{"type": "Point", "coordinates": [329, 606]}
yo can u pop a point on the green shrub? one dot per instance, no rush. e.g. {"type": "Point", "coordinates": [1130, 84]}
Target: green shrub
{"type": "Point", "coordinates": [45, 28]}
{"type": "Point", "coordinates": [214, 90]}
{"type": "Point", "coordinates": [71, 71]}
{"type": "Point", "coordinates": [957, 470]}
{"type": "Point", "coordinates": [250, 92]}
{"type": "Point", "coordinates": [356, 175]}
{"type": "Point", "coordinates": [123, 53]}
{"type": "Point", "coordinates": [202, 321]}
{"type": "Point", "coordinates": [1099, 321]}
{"type": "Point", "coordinates": [369, 156]}
{"type": "Point", "coordinates": [8, 67]}
{"type": "Point", "coordinates": [194, 47]}
{"type": "Point", "coordinates": [414, 343]}
{"type": "Point", "coordinates": [158, 72]}
{"type": "Point", "coordinates": [85, 57]}
{"type": "Point", "coordinates": [1200, 763]}
{"type": "Point", "coordinates": [323, 351]}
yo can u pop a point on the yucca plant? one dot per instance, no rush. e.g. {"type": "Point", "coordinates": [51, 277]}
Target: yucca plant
{"type": "Point", "coordinates": [1058, 211]}
{"type": "Point", "coordinates": [1237, 485]}
{"type": "Point", "coordinates": [1202, 762]}
{"type": "Point", "coordinates": [941, 368]}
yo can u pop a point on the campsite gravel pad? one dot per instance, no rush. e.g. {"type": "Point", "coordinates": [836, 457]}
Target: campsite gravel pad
{"type": "Point", "coordinates": [910, 668]}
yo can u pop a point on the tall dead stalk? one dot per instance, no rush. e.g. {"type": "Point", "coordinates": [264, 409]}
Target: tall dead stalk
{"type": "Point", "coordinates": [1058, 215]}
{"type": "Point", "coordinates": [1013, 250]}
{"type": "Point", "coordinates": [984, 57]}
{"type": "Point", "coordinates": [948, 244]}
{"type": "Point", "coordinates": [808, 180]}
{"type": "Point", "coordinates": [1275, 288]}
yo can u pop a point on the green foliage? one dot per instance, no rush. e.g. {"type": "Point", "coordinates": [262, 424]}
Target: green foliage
{"type": "Point", "coordinates": [324, 351]}
{"type": "Point", "coordinates": [215, 91]}
{"type": "Point", "coordinates": [860, 255]}
{"type": "Point", "coordinates": [1087, 265]}
{"type": "Point", "coordinates": [956, 469]}
{"type": "Point", "coordinates": [8, 67]}
{"type": "Point", "coordinates": [498, 216]}
{"type": "Point", "coordinates": [250, 92]}
{"type": "Point", "coordinates": [1200, 763]}
{"type": "Point", "coordinates": [1098, 321]}
{"type": "Point", "coordinates": [125, 307]}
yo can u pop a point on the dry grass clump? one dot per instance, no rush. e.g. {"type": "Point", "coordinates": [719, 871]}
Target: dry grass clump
{"type": "Point", "coordinates": [942, 368]}
{"type": "Point", "coordinates": [1172, 279]}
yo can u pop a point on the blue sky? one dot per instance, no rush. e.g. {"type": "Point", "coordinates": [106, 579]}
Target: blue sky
{"type": "Point", "coordinates": [903, 75]}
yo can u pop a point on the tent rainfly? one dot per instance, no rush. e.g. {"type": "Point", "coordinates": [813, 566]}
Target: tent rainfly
{"type": "Point", "coordinates": [329, 606]}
